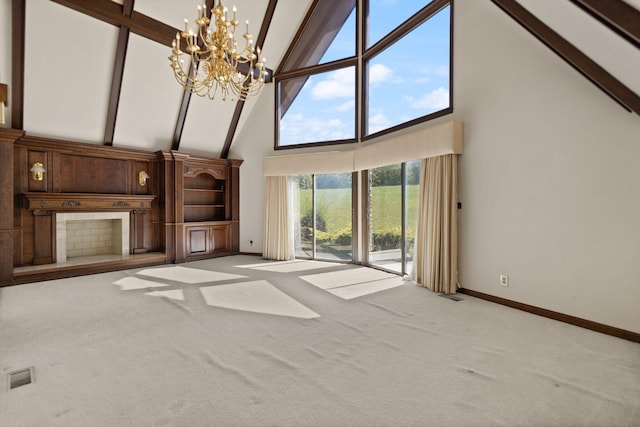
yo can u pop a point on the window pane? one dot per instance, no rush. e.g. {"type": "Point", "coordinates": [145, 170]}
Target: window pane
{"type": "Point", "coordinates": [385, 217]}
{"type": "Point", "coordinates": [318, 108]}
{"type": "Point", "coordinates": [344, 43]}
{"type": "Point", "coordinates": [329, 34]}
{"type": "Point", "coordinates": [410, 79]}
{"type": "Point", "coordinates": [333, 216]}
{"type": "Point", "coordinates": [412, 185]}
{"type": "Point", "coordinates": [386, 15]}
{"type": "Point", "coordinates": [303, 211]}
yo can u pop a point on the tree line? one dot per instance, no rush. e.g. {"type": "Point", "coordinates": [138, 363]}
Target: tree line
{"type": "Point", "coordinates": [380, 177]}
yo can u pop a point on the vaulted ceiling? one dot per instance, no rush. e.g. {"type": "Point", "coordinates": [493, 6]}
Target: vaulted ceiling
{"type": "Point", "coordinates": [97, 71]}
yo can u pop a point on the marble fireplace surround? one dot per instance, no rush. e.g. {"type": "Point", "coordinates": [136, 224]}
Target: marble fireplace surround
{"type": "Point", "coordinates": [61, 229]}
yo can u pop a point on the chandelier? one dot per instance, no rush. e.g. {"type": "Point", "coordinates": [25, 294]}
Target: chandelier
{"type": "Point", "coordinates": [217, 66]}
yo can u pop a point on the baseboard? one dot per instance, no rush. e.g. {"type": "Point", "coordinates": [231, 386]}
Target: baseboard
{"type": "Point", "coordinates": [251, 253]}
{"type": "Point", "coordinates": [577, 321]}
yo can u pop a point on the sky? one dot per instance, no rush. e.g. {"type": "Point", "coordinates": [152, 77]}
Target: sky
{"type": "Point", "coordinates": [407, 80]}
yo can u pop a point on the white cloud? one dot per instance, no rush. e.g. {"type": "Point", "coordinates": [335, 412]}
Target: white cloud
{"type": "Point", "coordinates": [427, 74]}
{"type": "Point", "coordinates": [379, 73]}
{"type": "Point", "coordinates": [346, 106]}
{"type": "Point", "coordinates": [434, 100]}
{"type": "Point", "coordinates": [378, 122]}
{"type": "Point", "coordinates": [296, 129]}
{"type": "Point", "coordinates": [442, 71]}
{"type": "Point", "coordinates": [339, 84]}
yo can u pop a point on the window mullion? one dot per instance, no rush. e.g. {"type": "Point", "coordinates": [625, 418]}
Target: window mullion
{"type": "Point", "coordinates": [403, 220]}
{"type": "Point", "coordinates": [360, 110]}
{"type": "Point", "coordinates": [313, 215]}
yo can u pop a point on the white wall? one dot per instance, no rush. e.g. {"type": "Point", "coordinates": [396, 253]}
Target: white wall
{"type": "Point", "coordinates": [253, 144]}
{"type": "Point", "coordinates": [548, 179]}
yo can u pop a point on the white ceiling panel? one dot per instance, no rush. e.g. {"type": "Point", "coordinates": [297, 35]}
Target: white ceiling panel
{"type": "Point", "coordinates": [174, 12]}
{"type": "Point", "coordinates": [169, 12]}
{"type": "Point", "coordinates": [206, 126]}
{"type": "Point", "coordinates": [68, 68]}
{"type": "Point", "coordinates": [150, 98]}
{"type": "Point", "coordinates": [606, 48]}
{"type": "Point", "coordinates": [288, 15]}
{"type": "Point", "coordinates": [634, 3]}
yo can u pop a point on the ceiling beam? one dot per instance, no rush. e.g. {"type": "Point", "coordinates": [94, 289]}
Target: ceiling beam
{"type": "Point", "coordinates": [262, 35]}
{"type": "Point", "coordinates": [572, 55]}
{"type": "Point", "coordinates": [619, 16]}
{"type": "Point", "coordinates": [186, 95]}
{"type": "Point", "coordinates": [113, 13]}
{"type": "Point", "coordinates": [118, 72]}
{"type": "Point", "coordinates": [18, 17]}
{"type": "Point", "coordinates": [129, 20]}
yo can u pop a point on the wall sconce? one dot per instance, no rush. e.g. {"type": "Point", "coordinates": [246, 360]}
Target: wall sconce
{"type": "Point", "coordinates": [143, 177]}
{"type": "Point", "coordinates": [4, 100]}
{"type": "Point", "coordinates": [37, 171]}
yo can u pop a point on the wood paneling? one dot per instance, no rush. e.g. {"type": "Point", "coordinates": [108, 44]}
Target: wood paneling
{"type": "Point", "coordinates": [84, 174]}
{"type": "Point", "coordinates": [91, 178]}
{"type": "Point", "coordinates": [197, 240]}
{"type": "Point", "coordinates": [87, 202]}
{"type": "Point", "coordinates": [44, 237]}
{"type": "Point", "coordinates": [7, 139]}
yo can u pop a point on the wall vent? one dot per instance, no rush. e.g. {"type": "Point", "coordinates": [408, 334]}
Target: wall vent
{"type": "Point", "coordinates": [20, 378]}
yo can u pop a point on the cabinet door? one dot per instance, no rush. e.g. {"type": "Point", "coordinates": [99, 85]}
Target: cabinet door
{"type": "Point", "coordinates": [220, 239]}
{"type": "Point", "coordinates": [197, 240]}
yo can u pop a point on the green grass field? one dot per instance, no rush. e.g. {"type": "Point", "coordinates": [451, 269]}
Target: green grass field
{"type": "Point", "coordinates": [335, 206]}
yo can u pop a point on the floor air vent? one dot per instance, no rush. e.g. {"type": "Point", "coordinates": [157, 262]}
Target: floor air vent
{"type": "Point", "coordinates": [20, 378]}
{"type": "Point", "coordinates": [451, 297]}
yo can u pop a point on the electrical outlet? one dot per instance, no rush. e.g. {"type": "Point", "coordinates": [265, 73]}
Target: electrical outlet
{"type": "Point", "coordinates": [504, 280]}
{"type": "Point", "coordinates": [250, 242]}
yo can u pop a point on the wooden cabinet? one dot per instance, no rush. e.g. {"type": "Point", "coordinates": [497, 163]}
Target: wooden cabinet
{"type": "Point", "coordinates": [206, 206]}
{"type": "Point", "coordinates": [204, 240]}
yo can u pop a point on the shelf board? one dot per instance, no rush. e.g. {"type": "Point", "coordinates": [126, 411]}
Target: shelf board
{"type": "Point", "coordinates": [207, 190]}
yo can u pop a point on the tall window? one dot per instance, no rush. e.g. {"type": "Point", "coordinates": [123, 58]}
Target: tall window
{"type": "Point", "coordinates": [322, 212]}
{"type": "Point", "coordinates": [405, 72]}
{"type": "Point", "coordinates": [393, 209]}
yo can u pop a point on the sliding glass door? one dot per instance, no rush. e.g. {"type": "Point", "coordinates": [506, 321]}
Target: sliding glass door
{"type": "Point", "coordinates": [323, 207]}
{"type": "Point", "coordinates": [393, 204]}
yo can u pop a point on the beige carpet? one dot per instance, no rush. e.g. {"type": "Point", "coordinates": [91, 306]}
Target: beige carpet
{"type": "Point", "coordinates": [241, 341]}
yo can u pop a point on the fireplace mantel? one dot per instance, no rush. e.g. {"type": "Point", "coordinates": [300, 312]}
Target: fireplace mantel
{"type": "Point", "coordinates": [74, 202]}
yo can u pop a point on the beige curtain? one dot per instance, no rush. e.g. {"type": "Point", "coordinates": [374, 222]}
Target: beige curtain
{"type": "Point", "coordinates": [278, 231]}
{"type": "Point", "coordinates": [436, 259]}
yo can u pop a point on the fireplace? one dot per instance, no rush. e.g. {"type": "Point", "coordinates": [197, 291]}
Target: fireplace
{"type": "Point", "coordinates": [91, 233]}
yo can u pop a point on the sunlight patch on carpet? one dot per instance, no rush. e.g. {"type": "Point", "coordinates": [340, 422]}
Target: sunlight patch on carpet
{"type": "Point", "coordinates": [353, 276]}
{"type": "Point", "coordinates": [131, 283]}
{"type": "Point", "coordinates": [361, 289]}
{"type": "Point", "coordinates": [175, 294]}
{"type": "Point", "coordinates": [354, 282]}
{"type": "Point", "coordinates": [188, 275]}
{"type": "Point", "coordinates": [257, 296]}
{"type": "Point", "coordinates": [290, 266]}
